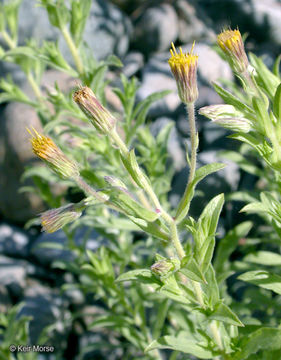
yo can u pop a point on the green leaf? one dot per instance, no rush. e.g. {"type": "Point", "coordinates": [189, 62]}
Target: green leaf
{"type": "Point", "coordinates": [233, 100]}
{"type": "Point", "coordinates": [132, 166]}
{"type": "Point", "coordinates": [277, 103]}
{"type": "Point", "coordinates": [58, 13]}
{"type": "Point", "coordinates": [124, 200]}
{"type": "Point", "coordinates": [276, 67]}
{"type": "Point", "coordinates": [268, 339]}
{"type": "Point", "coordinates": [182, 344]}
{"type": "Point", "coordinates": [263, 279]}
{"type": "Point", "coordinates": [160, 318]}
{"type": "Point", "coordinates": [264, 77]}
{"type": "Point", "coordinates": [111, 321]}
{"type": "Point", "coordinates": [191, 270]}
{"type": "Point", "coordinates": [80, 11]}
{"type": "Point", "coordinates": [267, 258]}
{"type": "Point", "coordinates": [139, 274]}
{"type": "Point", "coordinates": [229, 243]}
{"type": "Point", "coordinates": [141, 110]}
{"type": "Point", "coordinates": [200, 174]}
{"type": "Point", "coordinates": [223, 313]}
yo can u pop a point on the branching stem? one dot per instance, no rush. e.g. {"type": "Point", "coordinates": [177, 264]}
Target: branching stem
{"type": "Point", "coordinates": [73, 49]}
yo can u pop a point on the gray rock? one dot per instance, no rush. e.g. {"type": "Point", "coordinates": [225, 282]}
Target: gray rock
{"type": "Point", "coordinates": [5, 299]}
{"type": "Point", "coordinates": [268, 13]}
{"type": "Point", "coordinates": [156, 28]}
{"type": "Point", "coordinates": [53, 247]}
{"type": "Point", "coordinates": [193, 22]}
{"type": "Point", "coordinates": [13, 275]}
{"type": "Point", "coordinates": [133, 62]}
{"type": "Point", "coordinates": [46, 307]}
{"type": "Point", "coordinates": [156, 76]}
{"type": "Point", "coordinates": [13, 241]}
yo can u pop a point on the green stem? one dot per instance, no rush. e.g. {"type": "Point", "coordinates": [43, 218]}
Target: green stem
{"type": "Point", "coordinates": [183, 207]}
{"type": "Point", "coordinates": [175, 239]}
{"type": "Point", "coordinates": [194, 144]}
{"type": "Point", "coordinates": [34, 86]}
{"type": "Point", "coordinates": [73, 49]}
{"type": "Point", "coordinates": [10, 42]}
{"type": "Point", "coordinates": [198, 293]}
{"type": "Point", "coordinates": [148, 189]}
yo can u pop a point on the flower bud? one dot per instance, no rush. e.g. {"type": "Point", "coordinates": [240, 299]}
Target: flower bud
{"type": "Point", "coordinates": [99, 116]}
{"type": "Point", "coordinates": [55, 219]}
{"type": "Point", "coordinates": [184, 69]}
{"type": "Point", "coordinates": [48, 151]}
{"type": "Point", "coordinates": [230, 41]}
{"type": "Point", "coordinates": [226, 116]}
{"type": "Point", "coordinates": [164, 267]}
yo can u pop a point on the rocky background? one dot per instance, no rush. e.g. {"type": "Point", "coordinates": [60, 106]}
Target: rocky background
{"type": "Point", "coordinates": [140, 33]}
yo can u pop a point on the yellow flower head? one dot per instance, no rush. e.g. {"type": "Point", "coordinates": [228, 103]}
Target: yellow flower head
{"type": "Point", "coordinates": [99, 116]}
{"type": "Point", "coordinates": [230, 41]}
{"type": "Point", "coordinates": [184, 69]}
{"type": "Point", "coordinates": [48, 151]}
{"type": "Point", "coordinates": [54, 219]}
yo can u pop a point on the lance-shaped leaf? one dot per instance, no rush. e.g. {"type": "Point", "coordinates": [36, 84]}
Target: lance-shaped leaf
{"type": "Point", "coordinates": [265, 338]}
{"type": "Point", "coordinates": [223, 313]}
{"type": "Point", "coordinates": [183, 344]}
{"type": "Point", "coordinates": [200, 174]}
{"type": "Point", "coordinates": [122, 198]}
{"type": "Point", "coordinates": [264, 279]}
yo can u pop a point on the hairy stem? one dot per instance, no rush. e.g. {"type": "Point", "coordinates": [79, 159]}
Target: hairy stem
{"type": "Point", "coordinates": [183, 207]}
{"type": "Point", "coordinates": [193, 138]}
{"type": "Point", "coordinates": [73, 49]}
{"type": "Point", "coordinates": [34, 86]}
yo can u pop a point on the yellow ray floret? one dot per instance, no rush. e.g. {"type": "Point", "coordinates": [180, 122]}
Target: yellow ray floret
{"type": "Point", "coordinates": [42, 146]}
{"type": "Point", "coordinates": [229, 39]}
{"type": "Point", "coordinates": [182, 59]}
{"type": "Point", "coordinates": [47, 150]}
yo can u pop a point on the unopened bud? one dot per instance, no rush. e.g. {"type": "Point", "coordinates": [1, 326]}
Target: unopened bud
{"type": "Point", "coordinates": [226, 116]}
{"type": "Point", "coordinates": [51, 154]}
{"type": "Point", "coordinates": [99, 116]}
{"type": "Point", "coordinates": [55, 219]}
{"type": "Point", "coordinates": [184, 69]}
{"type": "Point", "coordinates": [164, 267]}
{"type": "Point", "coordinates": [230, 41]}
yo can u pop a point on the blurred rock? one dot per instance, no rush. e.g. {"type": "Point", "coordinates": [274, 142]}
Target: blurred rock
{"type": "Point", "coordinates": [193, 22]}
{"type": "Point", "coordinates": [53, 247]}
{"type": "Point", "coordinates": [13, 241]}
{"type": "Point", "coordinates": [156, 76]}
{"type": "Point", "coordinates": [5, 299]}
{"type": "Point", "coordinates": [16, 152]}
{"type": "Point", "coordinates": [133, 62]}
{"type": "Point", "coordinates": [156, 28]}
{"type": "Point", "coordinates": [267, 13]}
{"type": "Point", "coordinates": [13, 275]}
{"type": "Point", "coordinates": [46, 307]}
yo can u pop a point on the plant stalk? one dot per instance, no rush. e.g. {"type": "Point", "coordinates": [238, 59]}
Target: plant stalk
{"type": "Point", "coordinates": [194, 144]}
{"type": "Point", "coordinates": [182, 209]}
{"type": "Point", "coordinates": [73, 49]}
